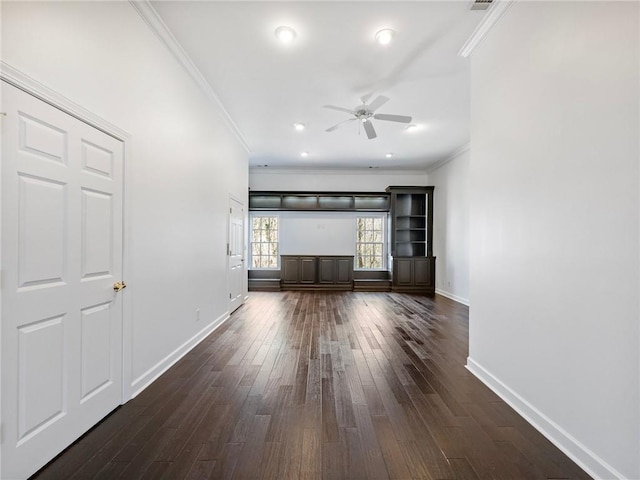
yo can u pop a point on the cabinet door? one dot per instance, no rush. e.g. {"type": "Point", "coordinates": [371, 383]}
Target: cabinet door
{"type": "Point", "coordinates": [307, 270]}
{"type": "Point", "coordinates": [326, 270]}
{"type": "Point", "coordinates": [403, 271]}
{"type": "Point", "coordinates": [344, 270]}
{"type": "Point", "coordinates": [290, 269]}
{"type": "Point", "coordinates": [424, 272]}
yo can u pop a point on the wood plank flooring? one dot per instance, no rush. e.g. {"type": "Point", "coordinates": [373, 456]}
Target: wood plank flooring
{"type": "Point", "coordinates": [314, 385]}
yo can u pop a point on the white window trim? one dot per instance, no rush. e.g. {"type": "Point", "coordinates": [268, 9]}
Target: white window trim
{"type": "Point", "coordinates": [385, 240]}
{"type": "Point", "coordinates": [262, 215]}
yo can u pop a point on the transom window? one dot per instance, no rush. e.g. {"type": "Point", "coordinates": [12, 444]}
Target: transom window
{"type": "Point", "coordinates": [370, 243]}
{"type": "Point", "coordinates": [264, 242]}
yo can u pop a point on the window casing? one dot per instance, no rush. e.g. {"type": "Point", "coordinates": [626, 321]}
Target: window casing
{"type": "Point", "coordinates": [264, 242]}
{"type": "Point", "coordinates": [370, 243]}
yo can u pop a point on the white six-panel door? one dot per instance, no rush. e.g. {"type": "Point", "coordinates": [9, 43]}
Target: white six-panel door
{"type": "Point", "coordinates": [62, 186]}
{"type": "Point", "coordinates": [236, 254]}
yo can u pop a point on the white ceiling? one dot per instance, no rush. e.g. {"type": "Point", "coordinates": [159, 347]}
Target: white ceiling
{"type": "Point", "coordinates": [266, 86]}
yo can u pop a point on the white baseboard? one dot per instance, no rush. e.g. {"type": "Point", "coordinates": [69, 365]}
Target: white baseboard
{"type": "Point", "coordinates": [458, 299]}
{"type": "Point", "coordinates": [570, 446]}
{"type": "Point", "coordinates": [144, 380]}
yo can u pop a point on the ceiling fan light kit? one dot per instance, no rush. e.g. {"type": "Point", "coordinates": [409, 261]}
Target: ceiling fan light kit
{"type": "Point", "coordinates": [285, 34]}
{"type": "Point", "coordinates": [384, 36]}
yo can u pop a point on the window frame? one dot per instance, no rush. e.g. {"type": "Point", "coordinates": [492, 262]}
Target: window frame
{"type": "Point", "coordinates": [252, 242]}
{"type": "Point", "coordinates": [384, 241]}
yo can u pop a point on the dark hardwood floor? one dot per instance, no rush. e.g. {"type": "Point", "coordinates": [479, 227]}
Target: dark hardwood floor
{"type": "Point", "coordinates": [304, 385]}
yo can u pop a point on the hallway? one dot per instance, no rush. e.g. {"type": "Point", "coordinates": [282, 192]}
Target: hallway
{"type": "Point", "coordinates": [320, 385]}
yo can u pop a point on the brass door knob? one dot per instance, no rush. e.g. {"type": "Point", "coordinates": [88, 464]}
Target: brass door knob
{"type": "Point", "coordinates": [119, 286]}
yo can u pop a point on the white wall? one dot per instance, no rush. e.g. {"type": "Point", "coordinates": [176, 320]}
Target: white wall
{"type": "Point", "coordinates": [369, 180]}
{"type": "Point", "coordinates": [185, 162]}
{"type": "Point", "coordinates": [554, 214]}
{"type": "Point", "coordinates": [451, 226]}
{"type": "Point", "coordinates": [318, 233]}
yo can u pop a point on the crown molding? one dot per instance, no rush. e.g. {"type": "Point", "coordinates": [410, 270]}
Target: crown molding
{"type": "Point", "coordinates": [21, 80]}
{"type": "Point", "coordinates": [333, 171]}
{"type": "Point", "coordinates": [453, 156]}
{"type": "Point", "coordinates": [496, 11]}
{"type": "Point", "coordinates": [157, 26]}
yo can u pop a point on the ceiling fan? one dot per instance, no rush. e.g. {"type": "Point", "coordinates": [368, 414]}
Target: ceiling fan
{"type": "Point", "coordinates": [365, 113]}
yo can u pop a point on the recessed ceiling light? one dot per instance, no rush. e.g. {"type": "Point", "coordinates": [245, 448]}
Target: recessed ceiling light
{"type": "Point", "coordinates": [384, 36]}
{"type": "Point", "coordinates": [389, 155]}
{"type": "Point", "coordinates": [298, 126]}
{"type": "Point", "coordinates": [304, 154]}
{"type": "Point", "coordinates": [412, 128]}
{"type": "Point", "coordinates": [285, 34]}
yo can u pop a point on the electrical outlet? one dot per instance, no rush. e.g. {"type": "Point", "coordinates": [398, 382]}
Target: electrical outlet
{"type": "Point", "coordinates": [198, 315]}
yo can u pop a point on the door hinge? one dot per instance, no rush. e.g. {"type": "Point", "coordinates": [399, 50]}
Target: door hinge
{"type": "Point", "coordinates": [230, 209]}
{"type": "Point", "coordinates": [229, 295]}
{"type": "Point", "coordinates": [228, 250]}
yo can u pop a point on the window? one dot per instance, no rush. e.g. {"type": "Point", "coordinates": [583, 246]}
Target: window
{"type": "Point", "coordinates": [370, 243]}
{"type": "Point", "coordinates": [264, 242]}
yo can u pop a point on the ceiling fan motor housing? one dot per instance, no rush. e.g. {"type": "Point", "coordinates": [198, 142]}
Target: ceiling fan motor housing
{"type": "Point", "coordinates": [362, 113]}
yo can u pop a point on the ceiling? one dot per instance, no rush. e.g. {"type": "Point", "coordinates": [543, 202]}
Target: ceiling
{"type": "Point", "coordinates": [266, 86]}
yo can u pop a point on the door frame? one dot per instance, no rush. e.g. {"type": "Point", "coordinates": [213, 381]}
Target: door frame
{"type": "Point", "coordinates": [22, 81]}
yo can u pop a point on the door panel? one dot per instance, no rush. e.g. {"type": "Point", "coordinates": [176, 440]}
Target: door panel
{"type": "Point", "coordinates": [96, 349]}
{"type": "Point", "coordinates": [326, 272]}
{"type": "Point", "coordinates": [61, 252]}
{"type": "Point", "coordinates": [344, 270]}
{"type": "Point", "coordinates": [41, 375]}
{"type": "Point", "coordinates": [290, 270]}
{"type": "Point", "coordinates": [97, 236]}
{"type": "Point", "coordinates": [422, 271]}
{"type": "Point", "coordinates": [403, 271]}
{"type": "Point", "coordinates": [41, 208]}
{"type": "Point", "coordinates": [307, 270]}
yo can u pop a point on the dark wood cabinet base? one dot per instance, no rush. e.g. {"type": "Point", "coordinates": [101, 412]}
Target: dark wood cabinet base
{"type": "Point", "coordinates": [308, 272]}
{"type": "Point", "coordinates": [414, 275]}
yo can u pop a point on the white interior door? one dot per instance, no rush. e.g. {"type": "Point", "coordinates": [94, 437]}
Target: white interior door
{"type": "Point", "coordinates": [62, 186]}
{"type": "Point", "coordinates": [236, 254]}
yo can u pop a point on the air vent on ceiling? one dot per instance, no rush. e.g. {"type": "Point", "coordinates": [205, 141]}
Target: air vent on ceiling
{"type": "Point", "coordinates": [481, 4]}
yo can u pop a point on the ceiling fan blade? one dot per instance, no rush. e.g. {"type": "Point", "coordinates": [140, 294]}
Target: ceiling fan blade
{"type": "Point", "coordinates": [331, 129]}
{"type": "Point", "coordinates": [340, 109]}
{"type": "Point", "coordinates": [377, 103]}
{"type": "Point", "coordinates": [392, 118]}
{"type": "Point", "coordinates": [365, 98]}
{"type": "Point", "coordinates": [371, 132]}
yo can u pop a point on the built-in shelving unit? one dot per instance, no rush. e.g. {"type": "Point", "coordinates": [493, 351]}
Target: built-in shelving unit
{"type": "Point", "coordinates": [411, 247]}
{"type": "Point", "coordinates": [412, 238]}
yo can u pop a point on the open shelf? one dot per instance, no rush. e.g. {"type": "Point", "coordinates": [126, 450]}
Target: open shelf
{"type": "Point", "coordinates": [319, 201]}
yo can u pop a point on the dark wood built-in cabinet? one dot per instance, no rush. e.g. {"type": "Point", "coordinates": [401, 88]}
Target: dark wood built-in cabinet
{"type": "Point", "coordinates": [298, 269]}
{"type": "Point", "coordinates": [317, 272]}
{"type": "Point", "coordinates": [413, 267]}
{"type": "Point", "coordinates": [411, 246]}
